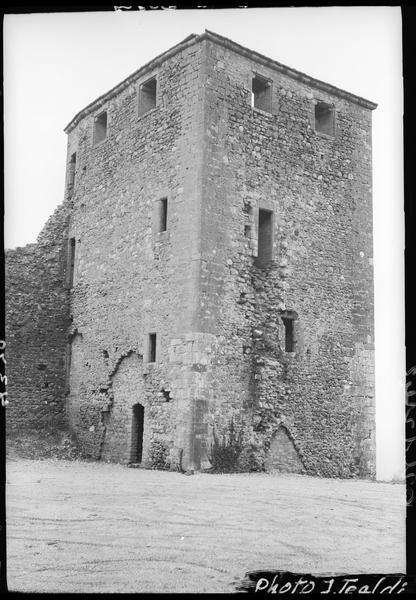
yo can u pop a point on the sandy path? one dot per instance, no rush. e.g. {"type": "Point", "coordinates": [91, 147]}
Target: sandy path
{"type": "Point", "coordinates": [94, 527]}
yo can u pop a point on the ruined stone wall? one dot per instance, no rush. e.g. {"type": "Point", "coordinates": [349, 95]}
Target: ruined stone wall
{"type": "Point", "coordinates": [37, 318]}
{"type": "Point", "coordinates": [129, 280]}
{"type": "Point", "coordinates": [319, 188]}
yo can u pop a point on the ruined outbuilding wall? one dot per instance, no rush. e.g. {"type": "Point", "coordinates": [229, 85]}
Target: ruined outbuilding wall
{"type": "Point", "coordinates": [319, 189]}
{"type": "Point", "coordinates": [37, 319]}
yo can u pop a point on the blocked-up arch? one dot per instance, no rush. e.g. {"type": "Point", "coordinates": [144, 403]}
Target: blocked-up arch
{"type": "Point", "coordinates": [283, 455]}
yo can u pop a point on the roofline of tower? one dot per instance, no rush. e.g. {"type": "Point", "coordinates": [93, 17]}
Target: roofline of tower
{"type": "Point", "coordinates": [273, 64]}
{"type": "Point", "coordinates": [227, 43]}
{"type": "Point", "coordinates": [188, 41]}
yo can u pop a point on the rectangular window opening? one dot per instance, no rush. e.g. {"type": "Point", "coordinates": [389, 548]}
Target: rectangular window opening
{"type": "Point", "coordinates": [160, 215]}
{"type": "Point", "coordinates": [261, 93]}
{"type": "Point", "coordinates": [289, 334]}
{"type": "Point", "coordinates": [147, 96]}
{"type": "Point", "coordinates": [71, 171]}
{"type": "Point", "coordinates": [71, 262]}
{"type": "Point", "coordinates": [265, 238]}
{"type": "Point", "coordinates": [152, 348]}
{"type": "Point", "coordinates": [100, 127]}
{"type": "Point", "coordinates": [324, 118]}
{"type": "Point", "coordinates": [163, 214]}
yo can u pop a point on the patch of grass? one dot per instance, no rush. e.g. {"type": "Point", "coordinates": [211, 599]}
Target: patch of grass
{"type": "Point", "coordinates": [225, 451]}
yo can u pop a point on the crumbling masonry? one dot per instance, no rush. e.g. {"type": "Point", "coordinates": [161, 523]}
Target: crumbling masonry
{"type": "Point", "coordinates": [211, 263]}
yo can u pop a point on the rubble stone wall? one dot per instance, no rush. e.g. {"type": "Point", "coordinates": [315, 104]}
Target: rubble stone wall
{"type": "Point", "coordinates": [37, 319]}
{"type": "Point", "coordinates": [131, 280]}
{"type": "Point", "coordinates": [319, 189]}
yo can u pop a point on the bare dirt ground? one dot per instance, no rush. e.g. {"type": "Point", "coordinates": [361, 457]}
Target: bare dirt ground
{"type": "Point", "coordinates": [76, 526]}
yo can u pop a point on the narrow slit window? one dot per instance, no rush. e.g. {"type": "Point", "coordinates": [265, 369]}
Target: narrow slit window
{"type": "Point", "coordinates": [100, 127]}
{"type": "Point", "coordinates": [289, 334]}
{"type": "Point", "coordinates": [261, 93]}
{"type": "Point", "coordinates": [152, 348]}
{"type": "Point", "coordinates": [71, 262]}
{"type": "Point", "coordinates": [160, 215]}
{"type": "Point", "coordinates": [163, 214]}
{"type": "Point", "coordinates": [324, 118]}
{"type": "Point", "coordinates": [265, 238]}
{"type": "Point", "coordinates": [71, 171]}
{"type": "Point", "coordinates": [147, 96]}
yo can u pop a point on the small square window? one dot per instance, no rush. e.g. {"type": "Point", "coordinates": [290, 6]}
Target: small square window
{"type": "Point", "coordinates": [147, 96]}
{"type": "Point", "coordinates": [100, 127]}
{"type": "Point", "coordinates": [325, 118]}
{"type": "Point", "coordinates": [261, 93]}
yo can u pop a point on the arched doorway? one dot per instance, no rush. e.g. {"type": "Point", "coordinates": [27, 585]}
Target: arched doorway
{"type": "Point", "coordinates": [137, 433]}
{"type": "Point", "coordinates": [124, 424]}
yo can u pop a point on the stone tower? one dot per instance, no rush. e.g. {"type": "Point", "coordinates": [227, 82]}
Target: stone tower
{"type": "Point", "coordinates": [215, 253]}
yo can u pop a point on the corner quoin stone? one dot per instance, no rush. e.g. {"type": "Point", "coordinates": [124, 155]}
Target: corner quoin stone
{"type": "Point", "coordinates": [211, 263]}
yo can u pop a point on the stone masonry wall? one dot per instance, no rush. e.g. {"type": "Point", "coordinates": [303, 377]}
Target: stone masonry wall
{"type": "Point", "coordinates": [319, 188]}
{"type": "Point", "coordinates": [37, 318]}
{"type": "Point", "coordinates": [130, 280]}
{"type": "Point", "coordinates": [79, 351]}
